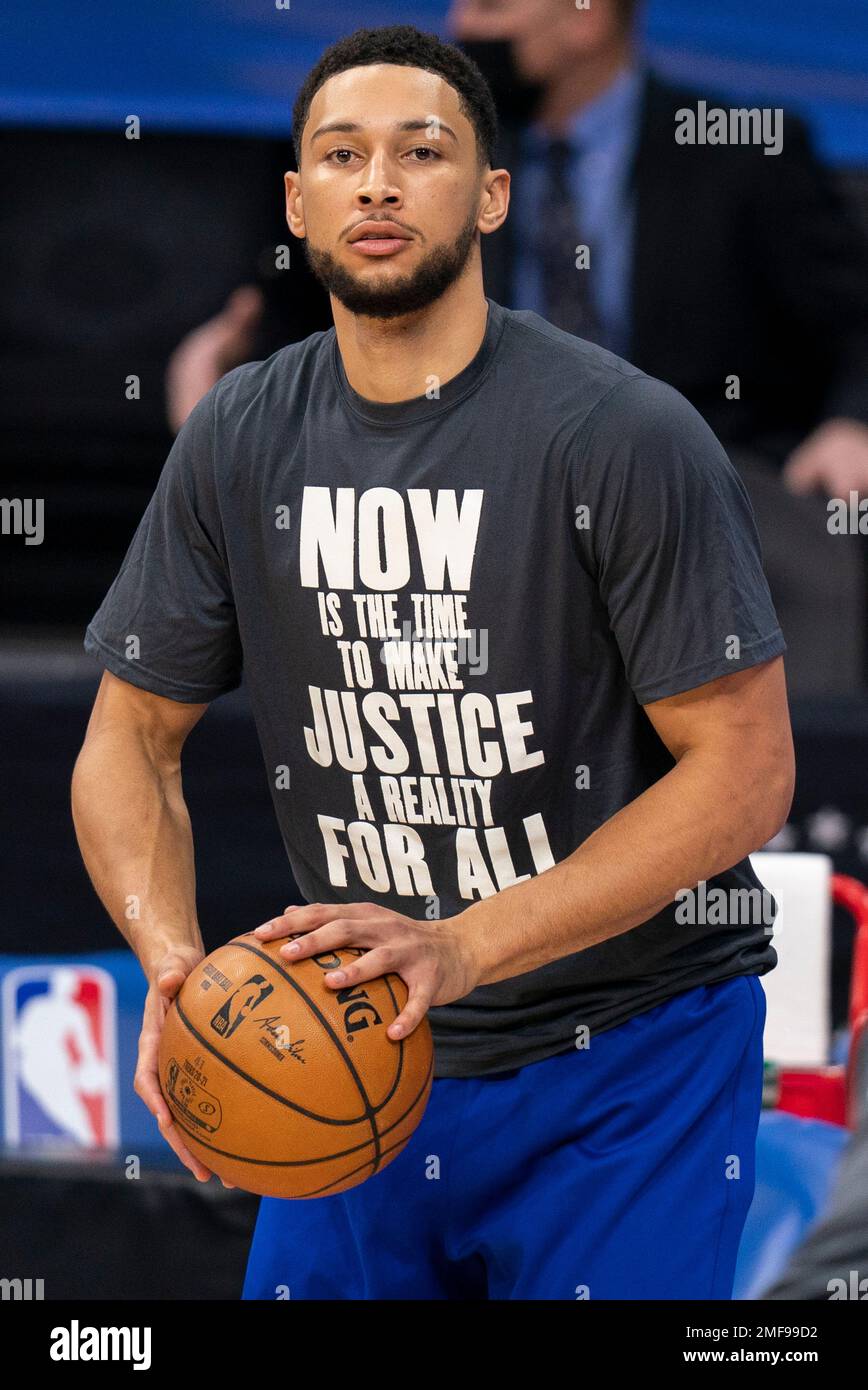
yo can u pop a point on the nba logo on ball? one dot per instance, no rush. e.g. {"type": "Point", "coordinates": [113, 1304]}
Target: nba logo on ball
{"type": "Point", "coordinates": [239, 1005]}
{"type": "Point", "coordinates": [60, 1056]}
{"type": "Point", "coordinates": [284, 1086]}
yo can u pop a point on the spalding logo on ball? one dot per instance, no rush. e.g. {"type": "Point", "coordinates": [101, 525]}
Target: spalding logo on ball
{"type": "Point", "coordinates": [284, 1085]}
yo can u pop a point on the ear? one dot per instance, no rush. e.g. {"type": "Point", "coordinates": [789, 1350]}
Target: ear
{"type": "Point", "coordinates": [294, 207]}
{"type": "Point", "coordinates": [495, 201]}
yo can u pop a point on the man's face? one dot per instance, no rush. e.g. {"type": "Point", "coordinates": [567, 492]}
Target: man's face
{"type": "Point", "coordinates": [358, 165]}
{"type": "Point", "coordinates": [547, 36]}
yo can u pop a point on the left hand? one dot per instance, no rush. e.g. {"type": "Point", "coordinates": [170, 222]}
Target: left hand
{"type": "Point", "coordinates": [432, 958]}
{"type": "Point", "coordinates": [834, 458]}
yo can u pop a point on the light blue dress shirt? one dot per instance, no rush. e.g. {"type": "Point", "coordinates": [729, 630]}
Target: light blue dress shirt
{"type": "Point", "coordinates": [603, 135]}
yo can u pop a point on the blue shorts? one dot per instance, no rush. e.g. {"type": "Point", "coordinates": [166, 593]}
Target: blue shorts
{"type": "Point", "coordinates": [622, 1171]}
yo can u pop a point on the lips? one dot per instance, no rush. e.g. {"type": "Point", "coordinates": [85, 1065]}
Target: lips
{"type": "Point", "coordinates": [378, 231]}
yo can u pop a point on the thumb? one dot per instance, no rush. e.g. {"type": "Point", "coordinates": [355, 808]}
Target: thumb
{"type": "Point", "coordinates": [803, 471]}
{"type": "Point", "coordinates": [243, 308]}
{"type": "Point", "coordinates": [170, 974]}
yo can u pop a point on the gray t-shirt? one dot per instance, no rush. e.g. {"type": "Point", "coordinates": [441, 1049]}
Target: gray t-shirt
{"type": "Point", "coordinates": [450, 611]}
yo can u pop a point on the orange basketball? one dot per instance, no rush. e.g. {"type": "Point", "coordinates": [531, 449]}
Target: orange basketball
{"type": "Point", "coordinates": [284, 1085]}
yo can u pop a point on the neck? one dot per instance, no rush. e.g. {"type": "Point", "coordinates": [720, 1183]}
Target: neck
{"type": "Point", "coordinates": [580, 83]}
{"type": "Point", "coordinates": [395, 359]}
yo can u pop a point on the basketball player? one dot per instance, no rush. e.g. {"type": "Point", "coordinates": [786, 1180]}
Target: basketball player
{"type": "Point", "coordinates": [519, 688]}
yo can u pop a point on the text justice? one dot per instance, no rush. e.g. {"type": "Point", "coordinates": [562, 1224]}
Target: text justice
{"type": "Point", "coordinates": [341, 721]}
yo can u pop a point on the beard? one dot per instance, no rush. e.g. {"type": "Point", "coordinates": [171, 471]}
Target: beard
{"type": "Point", "coordinates": [387, 297]}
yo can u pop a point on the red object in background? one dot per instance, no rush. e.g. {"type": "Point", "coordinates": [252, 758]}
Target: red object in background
{"type": "Point", "coordinates": [849, 893]}
{"type": "Point", "coordinates": [833, 1093]}
{"type": "Point", "coordinates": [816, 1095]}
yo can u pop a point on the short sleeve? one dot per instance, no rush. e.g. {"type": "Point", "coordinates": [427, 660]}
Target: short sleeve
{"type": "Point", "coordinates": [168, 622]}
{"type": "Point", "coordinates": [669, 534]}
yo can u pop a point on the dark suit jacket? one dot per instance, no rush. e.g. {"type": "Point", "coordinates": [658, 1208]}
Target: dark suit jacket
{"type": "Point", "coordinates": [744, 263]}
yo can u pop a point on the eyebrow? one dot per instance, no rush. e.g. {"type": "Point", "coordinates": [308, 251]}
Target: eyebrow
{"type": "Point", "coordinates": [353, 127]}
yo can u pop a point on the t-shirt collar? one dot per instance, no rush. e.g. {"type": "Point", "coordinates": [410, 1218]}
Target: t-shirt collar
{"type": "Point", "coordinates": [394, 413]}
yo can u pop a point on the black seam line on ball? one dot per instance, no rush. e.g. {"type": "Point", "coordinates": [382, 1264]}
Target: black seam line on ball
{"type": "Point", "coordinates": [370, 1112]}
{"type": "Point", "coordinates": [278, 965]}
{"type": "Point", "coordinates": [306, 1162]}
{"type": "Point", "coordinates": [399, 1070]}
{"type": "Point", "coordinates": [321, 1191]}
{"type": "Point", "coordinates": [302, 1162]}
{"type": "Point", "coordinates": [260, 1085]}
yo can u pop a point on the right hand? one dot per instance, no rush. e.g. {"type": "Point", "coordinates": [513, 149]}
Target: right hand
{"type": "Point", "coordinates": [167, 977]}
{"type": "Point", "coordinates": [211, 350]}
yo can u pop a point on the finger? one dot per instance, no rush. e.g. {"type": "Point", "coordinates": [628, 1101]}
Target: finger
{"type": "Point", "coordinates": [243, 307]}
{"type": "Point", "coordinates": [146, 1082]}
{"type": "Point", "coordinates": [170, 980]}
{"type": "Point", "coordinates": [281, 925]}
{"type": "Point", "coordinates": [307, 918]}
{"type": "Point", "coordinates": [171, 1136]}
{"type": "Point", "coordinates": [172, 970]}
{"type": "Point", "coordinates": [380, 960]}
{"type": "Point", "coordinates": [147, 1087]}
{"type": "Point", "coordinates": [339, 935]}
{"type": "Point", "coordinates": [412, 1013]}
{"type": "Point", "coordinates": [802, 473]}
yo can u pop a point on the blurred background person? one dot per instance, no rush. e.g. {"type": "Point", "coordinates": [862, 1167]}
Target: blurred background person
{"type": "Point", "coordinates": [736, 274]}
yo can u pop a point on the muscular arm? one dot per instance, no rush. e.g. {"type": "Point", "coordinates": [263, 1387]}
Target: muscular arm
{"type": "Point", "coordinates": [131, 819]}
{"type": "Point", "coordinates": [134, 832]}
{"type": "Point", "coordinates": [728, 794]}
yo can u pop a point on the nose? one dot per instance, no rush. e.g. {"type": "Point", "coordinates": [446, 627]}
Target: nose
{"type": "Point", "coordinates": [378, 186]}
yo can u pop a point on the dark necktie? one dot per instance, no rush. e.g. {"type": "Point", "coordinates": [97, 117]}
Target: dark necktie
{"type": "Point", "coordinates": [566, 292]}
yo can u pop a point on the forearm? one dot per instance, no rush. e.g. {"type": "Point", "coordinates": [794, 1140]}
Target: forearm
{"type": "Point", "coordinates": [134, 832]}
{"type": "Point", "coordinates": [683, 829]}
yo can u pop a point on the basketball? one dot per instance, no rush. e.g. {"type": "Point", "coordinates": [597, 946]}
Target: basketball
{"type": "Point", "coordinates": [284, 1085]}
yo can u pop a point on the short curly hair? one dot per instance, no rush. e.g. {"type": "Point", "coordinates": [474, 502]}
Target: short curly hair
{"type": "Point", "coordinates": [405, 46]}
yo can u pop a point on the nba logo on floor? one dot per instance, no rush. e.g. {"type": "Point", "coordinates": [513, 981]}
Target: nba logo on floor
{"type": "Point", "coordinates": [60, 1056]}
